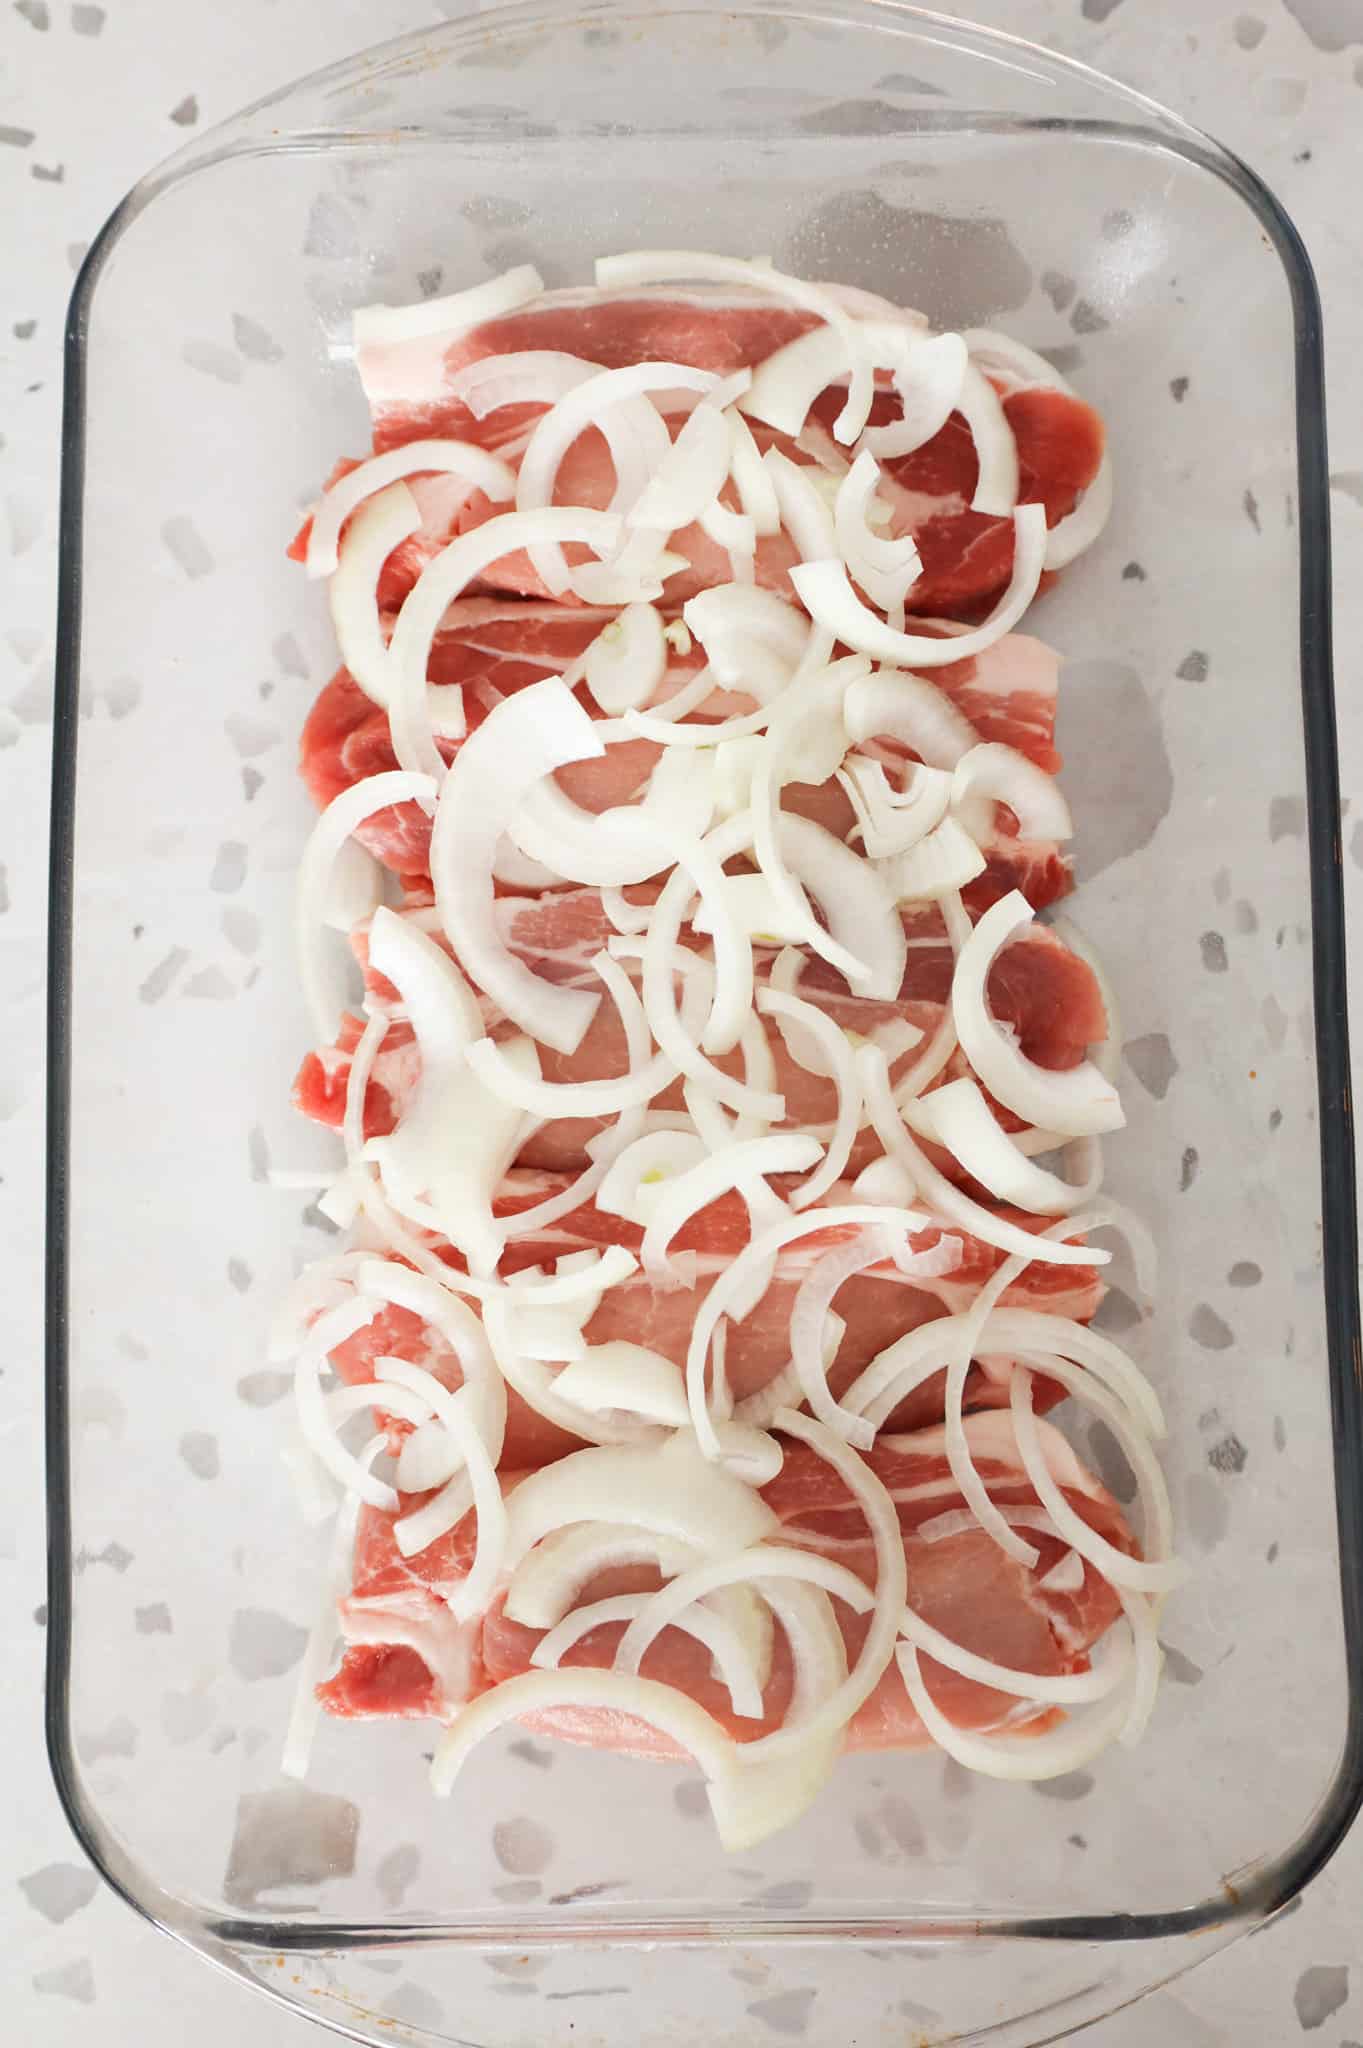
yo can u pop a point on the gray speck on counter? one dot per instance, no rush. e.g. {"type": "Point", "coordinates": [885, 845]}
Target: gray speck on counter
{"type": "Point", "coordinates": [1152, 1060]}
{"type": "Point", "coordinates": [153, 1620]}
{"type": "Point", "coordinates": [186, 112]}
{"type": "Point", "coordinates": [1246, 918]}
{"type": "Point", "coordinates": [1286, 818]}
{"type": "Point", "coordinates": [330, 231]}
{"type": "Point", "coordinates": [530, 1753]}
{"type": "Point", "coordinates": [1323, 1989]}
{"type": "Point", "coordinates": [163, 974]}
{"type": "Point", "coordinates": [1058, 288]}
{"type": "Point", "coordinates": [213, 359]}
{"type": "Point", "coordinates": [1213, 948]}
{"type": "Point", "coordinates": [1248, 31]}
{"type": "Point", "coordinates": [229, 868]}
{"type": "Point", "coordinates": [289, 655]}
{"type": "Point", "coordinates": [1133, 573]}
{"type": "Point", "coordinates": [15, 138]}
{"type": "Point", "coordinates": [1086, 319]}
{"type": "Point", "coordinates": [289, 1836]}
{"type": "Point", "coordinates": [1229, 1455]}
{"type": "Point", "coordinates": [258, 1152]}
{"type": "Point", "coordinates": [262, 1644]}
{"type": "Point", "coordinates": [691, 1798]}
{"type": "Point", "coordinates": [241, 928]}
{"type": "Point", "coordinates": [1244, 1273]}
{"type": "Point", "coordinates": [396, 1872]}
{"type": "Point", "coordinates": [1178, 387]}
{"type": "Point", "coordinates": [1108, 719]}
{"type": "Point", "coordinates": [262, 1389]}
{"type": "Point", "coordinates": [255, 341]}
{"type": "Point", "coordinates": [72, 1980]}
{"type": "Point", "coordinates": [1187, 1171]}
{"type": "Point", "coordinates": [187, 545]}
{"type": "Point", "coordinates": [1193, 667]}
{"type": "Point", "coordinates": [1208, 1329]}
{"type": "Point", "coordinates": [87, 20]}
{"type": "Point", "coordinates": [199, 1450]}
{"type": "Point", "coordinates": [59, 1889]}
{"type": "Point", "coordinates": [211, 984]}
{"type": "Point", "coordinates": [1251, 505]}
{"type": "Point", "coordinates": [1111, 1461]}
{"type": "Point", "coordinates": [1279, 1433]}
{"type": "Point", "coordinates": [522, 1846]}
{"type": "Point", "coordinates": [786, 2013]}
{"type": "Point", "coordinates": [34, 12]}
{"type": "Point", "coordinates": [251, 780]}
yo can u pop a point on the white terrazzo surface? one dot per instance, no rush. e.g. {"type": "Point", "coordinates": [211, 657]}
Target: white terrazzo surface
{"type": "Point", "coordinates": [90, 96]}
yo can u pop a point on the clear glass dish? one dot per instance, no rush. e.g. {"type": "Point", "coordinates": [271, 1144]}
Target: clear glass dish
{"type": "Point", "coordinates": [208, 393]}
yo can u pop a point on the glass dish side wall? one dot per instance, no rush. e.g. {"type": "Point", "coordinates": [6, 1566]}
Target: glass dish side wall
{"type": "Point", "coordinates": [1182, 722]}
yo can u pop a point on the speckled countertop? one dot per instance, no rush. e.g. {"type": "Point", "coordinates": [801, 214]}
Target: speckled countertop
{"type": "Point", "coordinates": [90, 95]}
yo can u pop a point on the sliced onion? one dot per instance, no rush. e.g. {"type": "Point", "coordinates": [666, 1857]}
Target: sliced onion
{"type": "Point", "coordinates": [993, 773]}
{"type": "Point", "coordinates": [473, 465]}
{"type": "Point", "coordinates": [587, 405]}
{"type": "Point", "coordinates": [578, 1276]}
{"type": "Point", "coordinates": [535, 1382]}
{"type": "Point", "coordinates": [940, 864]}
{"type": "Point", "coordinates": [429, 1456]}
{"type": "Point", "coordinates": [829, 598]}
{"type": "Point", "coordinates": [928, 382]}
{"type": "Point", "coordinates": [461, 1330]}
{"type": "Point", "coordinates": [456, 313]}
{"type": "Point", "coordinates": [525, 377]}
{"type": "Point", "coordinates": [806, 512]}
{"type": "Point", "coordinates": [342, 816]}
{"type": "Point", "coordinates": [553, 1099]}
{"type": "Point", "coordinates": [1022, 1758]}
{"type": "Point", "coordinates": [352, 595]}
{"type": "Point", "coordinates": [1071, 535]}
{"type": "Point", "coordinates": [753, 639]}
{"type": "Point", "coordinates": [317, 1653]}
{"type": "Point", "coordinates": [443, 580]}
{"type": "Point", "coordinates": [688, 481]}
{"type": "Point", "coordinates": [884, 568]}
{"type": "Point", "coordinates": [889, 822]}
{"type": "Point", "coordinates": [808, 1320]}
{"type": "Point", "coordinates": [414, 1532]}
{"type": "Point", "coordinates": [551, 1577]}
{"type": "Point", "coordinates": [1039, 1334]}
{"type": "Point", "coordinates": [958, 1117]}
{"type": "Point", "coordinates": [621, 1378]}
{"type": "Point", "coordinates": [334, 1327]}
{"type": "Point", "coordinates": [945, 1199]}
{"type": "Point", "coordinates": [670, 266]}
{"type": "Point", "coordinates": [1065, 1576]}
{"type": "Point", "coordinates": [715, 1175]}
{"type": "Point", "coordinates": [1158, 1573]}
{"type": "Point", "coordinates": [912, 710]}
{"type": "Point", "coordinates": [528, 736]}
{"type": "Point", "coordinates": [1079, 1101]}
{"type": "Point", "coordinates": [642, 1171]}
{"type": "Point", "coordinates": [863, 922]}
{"type": "Point", "coordinates": [839, 1063]}
{"type": "Point", "coordinates": [357, 1084]}
{"type": "Point", "coordinates": [1056, 1690]}
{"type": "Point", "coordinates": [732, 1666]}
{"type": "Point", "coordinates": [752, 482]}
{"type": "Point", "coordinates": [885, 1182]}
{"type": "Point", "coordinates": [627, 661]}
{"type": "Point", "coordinates": [627, 844]}
{"type": "Point", "coordinates": [671, 1490]}
{"type": "Point", "coordinates": [996, 488]}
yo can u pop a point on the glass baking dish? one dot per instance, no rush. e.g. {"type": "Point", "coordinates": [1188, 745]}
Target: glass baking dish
{"type": "Point", "coordinates": [208, 392]}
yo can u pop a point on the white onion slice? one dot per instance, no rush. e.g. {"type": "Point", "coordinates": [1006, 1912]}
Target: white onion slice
{"type": "Point", "coordinates": [688, 480]}
{"type": "Point", "coordinates": [755, 904]}
{"type": "Point", "coordinates": [928, 382]}
{"type": "Point", "coordinates": [642, 1171]}
{"type": "Point", "coordinates": [577, 1276]}
{"type": "Point", "coordinates": [912, 710]}
{"type": "Point", "coordinates": [996, 488]}
{"type": "Point", "coordinates": [429, 1456]}
{"type": "Point", "coordinates": [1079, 1101]}
{"type": "Point", "coordinates": [959, 1118]}
{"type": "Point", "coordinates": [439, 584]}
{"type": "Point", "coordinates": [1056, 1690]}
{"type": "Point", "coordinates": [753, 639]}
{"type": "Point", "coordinates": [627, 661]}
{"type": "Point", "coordinates": [473, 465]}
{"type": "Point", "coordinates": [528, 736]}
{"type": "Point", "coordinates": [385, 1280]}
{"type": "Point", "coordinates": [673, 266]}
{"type": "Point", "coordinates": [940, 864]}
{"type": "Point", "coordinates": [890, 821]}
{"type": "Point", "coordinates": [884, 568]}
{"type": "Point", "coordinates": [456, 313]}
{"type": "Point", "coordinates": [808, 1320]}
{"type": "Point", "coordinates": [525, 377]}
{"type": "Point", "coordinates": [1043, 1335]}
{"type": "Point", "coordinates": [715, 1175]}
{"type": "Point", "coordinates": [1072, 534]}
{"type": "Point", "coordinates": [1159, 1572]}
{"type": "Point", "coordinates": [553, 1099]}
{"type": "Point", "coordinates": [342, 816]}
{"type": "Point", "coordinates": [534, 1380]}
{"type": "Point", "coordinates": [357, 1084]}
{"type": "Point", "coordinates": [1065, 1576]}
{"type": "Point", "coordinates": [1021, 1758]}
{"type": "Point", "coordinates": [622, 1378]}
{"type": "Point", "coordinates": [732, 1665]}
{"type": "Point", "coordinates": [806, 512]}
{"type": "Point", "coordinates": [829, 598]}
{"type": "Point", "coordinates": [670, 1489]}
{"type": "Point", "coordinates": [412, 1534]}
{"type": "Point", "coordinates": [306, 1713]}
{"type": "Point", "coordinates": [752, 482]}
{"type": "Point", "coordinates": [838, 1062]}
{"type": "Point", "coordinates": [551, 1577]}
{"type": "Point", "coordinates": [587, 405]}
{"type": "Point", "coordinates": [945, 1199]}
{"type": "Point", "coordinates": [628, 843]}
{"type": "Point", "coordinates": [993, 773]}
{"type": "Point", "coordinates": [863, 921]}
{"type": "Point", "coordinates": [332, 1328]}
{"type": "Point", "coordinates": [377, 528]}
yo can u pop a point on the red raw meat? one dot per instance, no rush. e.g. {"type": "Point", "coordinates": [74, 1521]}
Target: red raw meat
{"type": "Point", "coordinates": [962, 1584]}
